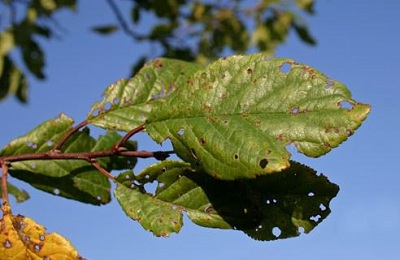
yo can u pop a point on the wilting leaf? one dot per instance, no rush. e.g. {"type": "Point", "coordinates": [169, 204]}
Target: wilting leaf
{"type": "Point", "coordinates": [294, 200]}
{"type": "Point", "coordinates": [235, 118]}
{"type": "Point", "coordinates": [22, 238]}
{"type": "Point", "coordinates": [127, 103]}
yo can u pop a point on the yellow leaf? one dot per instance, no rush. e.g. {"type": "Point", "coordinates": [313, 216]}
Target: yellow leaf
{"type": "Point", "coordinates": [22, 238]}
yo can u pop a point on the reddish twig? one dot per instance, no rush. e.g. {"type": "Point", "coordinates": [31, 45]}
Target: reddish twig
{"type": "Point", "coordinates": [128, 135]}
{"type": "Point", "coordinates": [98, 167]}
{"type": "Point", "coordinates": [69, 134]}
{"type": "Point", "coordinates": [4, 194]}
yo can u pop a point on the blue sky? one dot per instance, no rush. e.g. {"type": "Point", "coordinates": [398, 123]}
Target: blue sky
{"type": "Point", "coordinates": [357, 45]}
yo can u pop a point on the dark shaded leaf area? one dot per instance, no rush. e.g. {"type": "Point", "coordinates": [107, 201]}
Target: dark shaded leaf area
{"type": "Point", "coordinates": [72, 179]}
{"type": "Point", "coordinates": [269, 207]}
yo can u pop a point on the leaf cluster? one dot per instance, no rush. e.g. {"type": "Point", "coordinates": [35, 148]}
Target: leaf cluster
{"type": "Point", "coordinates": [230, 123]}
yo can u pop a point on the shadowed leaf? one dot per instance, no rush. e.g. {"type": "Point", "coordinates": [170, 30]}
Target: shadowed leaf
{"type": "Point", "coordinates": [296, 199]}
{"type": "Point", "coordinates": [74, 179]}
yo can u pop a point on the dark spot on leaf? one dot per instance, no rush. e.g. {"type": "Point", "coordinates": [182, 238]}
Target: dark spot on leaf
{"type": "Point", "coordinates": [263, 163]}
{"type": "Point", "coordinates": [209, 209]}
{"type": "Point", "coordinates": [236, 156]}
{"type": "Point", "coordinates": [349, 132]}
{"type": "Point", "coordinates": [286, 67]}
{"type": "Point", "coordinates": [202, 141]}
{"type": "Point", "coordinates": [249, 71]}
{"type": "Point", "coordinates": [164, 169]}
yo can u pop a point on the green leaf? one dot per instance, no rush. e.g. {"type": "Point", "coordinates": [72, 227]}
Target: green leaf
{"type": "Point", "coordinates": [235, 118]}
{"type": "Point", "coordinates": [106, 29]}
{"type": "Point", "coordinates": [154, 215]}
{"type": "Point", "coordinates": [294, 200]}
{"type": "Point", "coordinates": [20, 195]}
{"type": "Point", "coordinates": [127, 103]}
{"type": "Point", "coordinates": [12, 80]}
{"type": "Point", "coordinates": [74, 179]}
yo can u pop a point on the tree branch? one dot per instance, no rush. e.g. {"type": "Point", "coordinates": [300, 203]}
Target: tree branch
{"type": "Point", "coordinates": [122, 22]}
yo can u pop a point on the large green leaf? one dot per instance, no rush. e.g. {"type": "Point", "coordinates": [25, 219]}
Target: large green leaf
{"type": "Point", "coordinates": [296, 199]}
{"type": "Point", "coordinates": [127, 103]}
{"type": "Point", "coordinates": [74, 179]}
{"type": "Point", "coordinates": [236, 117]}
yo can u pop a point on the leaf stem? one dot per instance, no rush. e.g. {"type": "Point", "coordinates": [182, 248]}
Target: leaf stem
{"type": "Point", "coordinates": [4, 193]}
{"type": "Point", "coordinates": [69, 134]}
{"type": "Point", "coordinates": [128, 135]}
{"type": "Point", "coordinates": [88, 156]}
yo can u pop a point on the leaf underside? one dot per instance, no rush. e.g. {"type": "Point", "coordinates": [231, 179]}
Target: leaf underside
{"type": "Point", "coordinates": [296, 199]}
{"type": "Point", "coordinates": [73, 179]}
{"type": "Point", "coordinates": [235, 117]}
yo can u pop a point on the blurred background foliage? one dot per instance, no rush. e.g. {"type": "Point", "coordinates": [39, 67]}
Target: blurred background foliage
{"type": "Point", "coordinates": [188, 30]}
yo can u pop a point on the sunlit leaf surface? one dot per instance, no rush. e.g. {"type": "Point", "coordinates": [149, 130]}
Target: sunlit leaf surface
{"type": "Point", "coordinates": [127, 103]}
{"type": "Point", "coordinates": [235, 117]}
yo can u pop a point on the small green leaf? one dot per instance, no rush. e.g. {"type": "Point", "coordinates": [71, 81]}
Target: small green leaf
{"type": "Point", "coordinates": [294, 200]}
{"type": "Point", "coordinates": [127, 103]}
{"type": "Point", "coordinates": [154, 215]}
{"type": "Point", "coordinates": [20, 195]}
{"type": "Point", "coordinates": [235, 118]}
{"type": "Point", "coordinates": [106, 29]}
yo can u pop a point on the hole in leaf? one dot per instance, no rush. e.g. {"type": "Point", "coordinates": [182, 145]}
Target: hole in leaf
{"type": "Point", "coordinates": [56, 192]}
{"type": "Point", "coordinates": [174, 207]}
{"type": "Point", "coordinates": [115, 101]}
{"type": "Point", "coordinates": [301, 229]}
{"type": "Point", "coordinates": [245, 210]}
{"type": "Point", "coordinates": [98, 198]}
{"type": "Point", "coordinates": [286, 67]}
{"type": "Point", "coordinates": [181, 132]}
{"type": "Point", "coordinates": [322, 207]}
{"type": "Point", "coordinates": [346, 105]}
{"type": "Point", "coordinates": [311, 194]}
{"type": "Point", "coordinates": [160, 184]}
{"type": "Point", "coordinates": [46, 258]}
{"type": "Point", "coordinates": [315, 218]}
{"type": "Point", "coordinates": [329, 84]}
{"type": "Point", "coordinates": [7, 244]}
{"type": "Point", "coordinates": [36, 247]}
{"type": "Point", "coordinates": [33, 165]}
{"type": "Point", "coordinates": [107, 106]}
{"type": "Point", "coordinates": [349, 132]}
{"type": "Point", "coordinates": [294, 111]}
{"type": "Point", "coordinates": [268, 202]}
{"type": "Point", "coordinates": [276, 231]}
{"type": "Point", "coordinates": [42, 237]}
{"type": "Point", "coordinates": [263, 163]}
{"type": "Point", "coordinates": [49, 143]}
